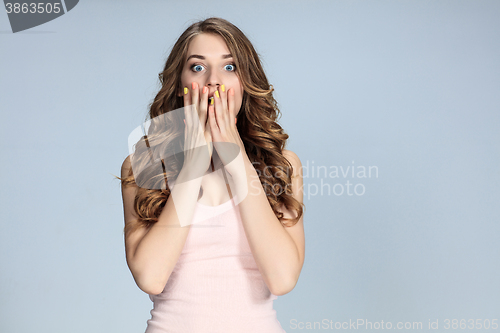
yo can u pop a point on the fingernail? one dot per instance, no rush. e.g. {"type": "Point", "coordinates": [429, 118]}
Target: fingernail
{"type": "Point", "coordinates": [235, 120]}
{"type": "Point", "coordinates": [184, 121]}
{"type": "Point", "coordinates": [205, 89]}
{"type": "Point", "coordinates": [217, 93]}
{"type": "Point", "coordinates": [193, 85]}
{"type": "Point", "coordinates": [185, 90]}
{"type": "Point", "coordinates": [223, 88]}
{"type": "Point", "coordinates": [211, 100]}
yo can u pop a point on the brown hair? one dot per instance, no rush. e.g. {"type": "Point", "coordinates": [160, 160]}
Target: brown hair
{"type": "Point", "coordinates": [263, 138]}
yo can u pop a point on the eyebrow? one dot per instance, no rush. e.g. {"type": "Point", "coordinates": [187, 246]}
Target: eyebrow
{"type": "Point", "coordinates": [224, 56]}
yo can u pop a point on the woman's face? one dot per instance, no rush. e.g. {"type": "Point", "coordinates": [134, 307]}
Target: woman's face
{"type": "Point", "coordinates": [209, 63]}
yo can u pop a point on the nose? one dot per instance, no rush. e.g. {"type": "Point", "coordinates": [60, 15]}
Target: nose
{"type": "Point", "coordinates": [213, 81]}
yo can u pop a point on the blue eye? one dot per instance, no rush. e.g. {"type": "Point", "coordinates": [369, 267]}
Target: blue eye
{"type": "Point", "coordinates": [194, 66]}
{"type": "Point", "coordinates": [234, 67]}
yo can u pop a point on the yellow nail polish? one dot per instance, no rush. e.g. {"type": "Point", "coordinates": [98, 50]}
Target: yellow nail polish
{"type": "Point", "coordinates": [223, 88]}
{"type": "Point", "coordinates": [217, 93]}
{"type": "Point", "coordinates": [185, 90]}
{"type": "Point", "coordinates": [211, 100]}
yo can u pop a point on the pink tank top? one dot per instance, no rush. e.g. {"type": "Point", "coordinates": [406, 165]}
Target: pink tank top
{"type": "Point", "coordinates": [215, 286]}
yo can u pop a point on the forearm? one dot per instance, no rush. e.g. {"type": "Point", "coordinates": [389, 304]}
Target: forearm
{"type": "Point", "coordinates": [273, 248]}
{"type": "Point", "coordinates": [159, 250]}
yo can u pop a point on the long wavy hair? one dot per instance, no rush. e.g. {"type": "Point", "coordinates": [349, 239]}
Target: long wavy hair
{"type": "Point", "coordinates": [264, 139]}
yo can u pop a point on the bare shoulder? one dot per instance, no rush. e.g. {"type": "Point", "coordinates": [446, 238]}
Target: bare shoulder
{"type": "Point", "coordinates": [294, 161]}
{"type": "Point", "coordinates": [126, 165]}
{"type": "Point", "coordinates": [297, 182]}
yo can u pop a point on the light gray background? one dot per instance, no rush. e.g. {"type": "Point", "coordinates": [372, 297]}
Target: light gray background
{"type": "Point", "coordinates": [410, 87]}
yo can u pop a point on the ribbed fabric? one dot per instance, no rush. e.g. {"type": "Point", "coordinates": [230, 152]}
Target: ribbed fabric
{"type": "Point", "coordinates": [215, 286]}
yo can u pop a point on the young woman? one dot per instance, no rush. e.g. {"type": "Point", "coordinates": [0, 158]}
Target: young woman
{"type": "Point", "coordinates": [216, 249]}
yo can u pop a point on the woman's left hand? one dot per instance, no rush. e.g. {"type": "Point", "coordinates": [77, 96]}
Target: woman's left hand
{"type": "Point", "coordinates": [225, 136]}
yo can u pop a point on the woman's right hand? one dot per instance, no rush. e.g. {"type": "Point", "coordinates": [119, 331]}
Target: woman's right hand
{"type": "Point", "coordinates": [197, 135]}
